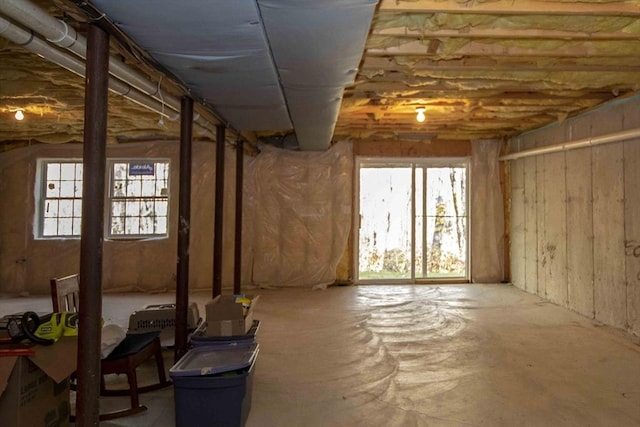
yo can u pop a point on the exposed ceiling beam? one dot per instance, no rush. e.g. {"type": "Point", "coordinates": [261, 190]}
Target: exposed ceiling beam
{"type": "Point", "coordinates": [488, 105]}
{"type": "Point", "coordinates": [502, 33]}
{"type": "Point", "coordinates": [462, 85]}
{"type": "Point", "coordinates": [512, 65]}
{"type": "Point", "coordinates": [421, 93]}
{"type": "Point", "coordinates": [475, 48]}
{"type": "Point", "coordinates": [510, 7]}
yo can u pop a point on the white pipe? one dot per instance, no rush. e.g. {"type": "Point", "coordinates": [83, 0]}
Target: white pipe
{"type": "Point", "coordinates": [61, 34]}
{"type": "Point", "coordinates": [58, 32]}
{"type": "Point", "coordinates": [36, 45]}
{"type": "Point", "coordinates": [572, 145]}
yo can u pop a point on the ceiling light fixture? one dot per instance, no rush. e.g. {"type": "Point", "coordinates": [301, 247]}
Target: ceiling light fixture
{"type": "Point", "coordinates": [420, 114]}
{"type": "Point", "coordinates": [19, 115]}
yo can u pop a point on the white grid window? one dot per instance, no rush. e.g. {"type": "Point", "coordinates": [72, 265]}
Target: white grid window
{"type": "Point", "coordinates": [61, 198]}
{"type": "Point", "coordinates": [138, 198]}
{"type": "Point", "coordinates": [138, 204]}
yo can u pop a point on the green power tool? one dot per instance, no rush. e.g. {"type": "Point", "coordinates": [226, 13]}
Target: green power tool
{"type": "Point", "coordinates": [44, 330]}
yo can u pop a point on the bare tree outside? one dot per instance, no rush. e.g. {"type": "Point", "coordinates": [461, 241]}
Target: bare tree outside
{"type": "Point", "coordinates": [437, 233]}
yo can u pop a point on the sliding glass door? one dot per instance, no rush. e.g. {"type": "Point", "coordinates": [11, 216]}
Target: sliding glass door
{"type": "Point", "coordinates": [385, 222]}
{"type": "Point", "coordinates": [412, 220]}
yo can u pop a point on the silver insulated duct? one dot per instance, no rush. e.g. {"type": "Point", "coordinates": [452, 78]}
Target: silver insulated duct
{"type": "Point", "coordinates": [270, 65]}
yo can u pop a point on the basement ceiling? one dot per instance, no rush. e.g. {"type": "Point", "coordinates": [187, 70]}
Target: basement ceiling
{"type": "Point", "coordinates": [331, 70]}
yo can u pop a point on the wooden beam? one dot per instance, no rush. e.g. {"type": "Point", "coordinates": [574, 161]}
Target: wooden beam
{"type": "Point", "coordinates": [510, 7]}
{"type": "Point", "coordinates": [458, 85]}
{"type": "Point", "coordinates": [373, 64]}
{"type": "Point", "coordinates": [434, 122]}
{"type": "Point", "coordinates": [476, 48]}
{"type": "Point", "coordinates": [499, 33]}
{"type": "Point", "coordinates": [496, 104]}
{"type": "Point", "coordinates": [482, 94]}
{"type": "Point", "coordinates": [422, 146]}
{"type": "Point", "coordinates": [539, 80]}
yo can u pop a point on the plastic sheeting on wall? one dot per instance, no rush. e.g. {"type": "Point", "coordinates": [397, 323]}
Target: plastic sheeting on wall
{"type": "Point", "coordinates": [487, 218]}
{"type": "Point", "coordinates": [298, 215]}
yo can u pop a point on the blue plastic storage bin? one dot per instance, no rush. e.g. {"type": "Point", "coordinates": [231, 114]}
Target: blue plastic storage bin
{"type": "Point", "coordinates": [213, 386]}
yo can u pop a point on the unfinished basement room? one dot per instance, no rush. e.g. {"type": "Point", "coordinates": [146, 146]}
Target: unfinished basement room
{"type": "Point", "coordinates": [320, 213]}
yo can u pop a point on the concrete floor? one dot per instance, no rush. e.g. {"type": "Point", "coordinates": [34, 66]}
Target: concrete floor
{"type": "Point", "coordinates": [453, 355]}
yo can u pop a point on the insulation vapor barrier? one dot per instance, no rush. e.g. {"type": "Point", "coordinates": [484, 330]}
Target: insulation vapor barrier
{"type": "Point", "coordinates": [487, 220]}
{"type": "Point", "coordinates": [296, 220]}
{"type": "Point", "coordinates": [301, 208]}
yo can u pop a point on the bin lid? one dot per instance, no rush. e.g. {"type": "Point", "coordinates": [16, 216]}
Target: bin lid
{"type": "Point", "coordinates": [199, 334]}
{"type": "Point", "coordinates": [208, 361]}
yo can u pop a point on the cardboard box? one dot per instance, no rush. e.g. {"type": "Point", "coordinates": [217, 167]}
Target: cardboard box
{"type": "Point", "coordinates": [34, 390]}
{"type": "Point", "coordinates": [225, 317]}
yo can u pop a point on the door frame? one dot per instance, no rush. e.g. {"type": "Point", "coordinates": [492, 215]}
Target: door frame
{"type": "Point", "coordinates": [410, 162]}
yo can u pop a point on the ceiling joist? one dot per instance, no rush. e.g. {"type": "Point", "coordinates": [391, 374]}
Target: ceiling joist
{"type": "Point", "coordinates": [372, 65]}
{"type": "Point", "coordinates": [510, 7]}
{"type": "Point", "coordinates": [503, 33]}
{"type": "Point", "coordinates": [512, 48]}
{"type": "Point", "coordinates": [481, 68]}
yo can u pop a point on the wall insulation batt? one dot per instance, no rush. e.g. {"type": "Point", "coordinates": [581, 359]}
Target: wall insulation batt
{"type": "Point", "coordinates": [296, 220]}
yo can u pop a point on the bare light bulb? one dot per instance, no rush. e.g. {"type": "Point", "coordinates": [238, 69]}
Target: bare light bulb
{"type": "Point", "coordinates": [420, 114]}
{"type": "Point", "coordinates": [19, 115]}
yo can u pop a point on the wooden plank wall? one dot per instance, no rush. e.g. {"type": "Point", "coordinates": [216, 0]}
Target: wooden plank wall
{"type": "Point", "coordinates": [632, 235]}
{"type": "Point", "coordinates": [555, 222]}
{"type": "Point", "coordinates": [574, 218]}
{"type": "Point", "coordinates": [580, 232]}
{"type": "Point", "coordinates": [541, 229]}
{"type": "Point", "coordinates": [631, 155]}
{"type": "Point", "coordinates": [518, 233]}
{"type": "Point", "coordinates": [530, 226]}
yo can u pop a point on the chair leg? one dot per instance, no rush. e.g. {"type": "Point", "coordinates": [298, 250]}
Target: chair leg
{"type": "Point", "coordinates": [133, 387]}
{"type": "Point", "coordinates": [160, 365]}
{"type": "Point", "coordinates": [136, 408]}
{"type": "Point", "coordinates": [162, 376]}
{"type": "Point", "coordinates": [128, 366]}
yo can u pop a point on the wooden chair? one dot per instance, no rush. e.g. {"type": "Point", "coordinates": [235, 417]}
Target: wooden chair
{"type": "Point", "coordinates": [124, 359]}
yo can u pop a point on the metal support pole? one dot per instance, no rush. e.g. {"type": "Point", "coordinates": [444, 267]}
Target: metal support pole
{"type": "Point", "coordinates": [237, 266]}
{"type": "Point", "coordinates": [184, 226]}
{"type": "Point", "coordinates": [218, 229]}
{"type": "Point", "coordinates": [94, 161]}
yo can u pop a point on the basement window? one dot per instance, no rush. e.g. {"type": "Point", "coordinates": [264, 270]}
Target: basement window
{"type": "Point", "coordinates": [138, 198]}
{"type": "Point", "coordinates": [60, 198]}
{"type": "Point", "coordinates": [138, 204]}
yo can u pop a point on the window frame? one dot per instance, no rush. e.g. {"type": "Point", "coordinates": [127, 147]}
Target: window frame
{"type": "Point", "coordinates": [40, 197]}
{"type": "Point", "coordinates": [428, 162]}
{"type": "Point", "coordinates": [111, 198]}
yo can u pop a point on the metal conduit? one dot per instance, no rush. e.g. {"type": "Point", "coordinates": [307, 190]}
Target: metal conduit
{"type": "Point", "coordinates": [572, 145]}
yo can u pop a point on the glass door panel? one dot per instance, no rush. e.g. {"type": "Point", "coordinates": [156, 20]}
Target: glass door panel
{"type": "Point", "coordinates": [445, 222]}
{"type": "Point", "coordinates": [413, 221]}
{"type": "Point", "coordinates": [384, 250]}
